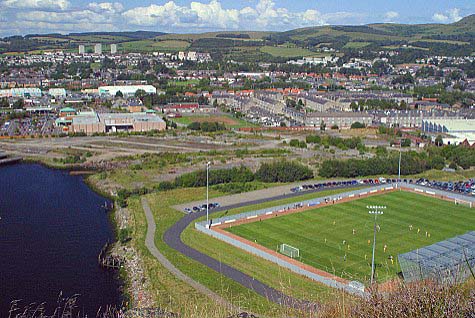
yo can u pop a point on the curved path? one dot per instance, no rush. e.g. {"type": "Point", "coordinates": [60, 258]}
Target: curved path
{"type": "Point", "coordinates": [150, 244]}
{"type": "Point", "coordinates": [172, 238]}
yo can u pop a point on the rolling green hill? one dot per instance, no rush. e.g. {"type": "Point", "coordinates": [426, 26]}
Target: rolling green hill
{"type": "Point", "coordinates": [455, 39]}
{"type": "Point", "coordinates": [458, 37]}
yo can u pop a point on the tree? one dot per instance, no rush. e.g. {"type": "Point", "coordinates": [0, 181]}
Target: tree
{"type": "Point", "coordinates": [140, 93]}
{"type": "Point", "coordinates": [406, 142]}
{"type": "Point", "coordinates": [18, 104]}
{"type": "Point", "coordinates": [4, 103]}
{"type": "Point", "coordinates": [439, 141]}
{"type": "Point", "coordinates": [357, 125]}
{"type": "Point", "coordinates": [283, 171]}
{"type": "Point", "coordinates": [119, 94]}
{"type": "Point", "coordinates": [323, 126]}
{"type": "Point", "coordinates": [403, 105]}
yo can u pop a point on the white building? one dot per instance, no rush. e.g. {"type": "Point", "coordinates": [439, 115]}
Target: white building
{"type": "Point", "coordinates": [82, 49]}
{"type": "Point", "coordinates": [98, 48]}
{"type": "Point", "coordinates": [456, 131]}
{"type": "Point", "coordinates": [113, 48]}
{"type": "Point", "coordinates": [126, 90]}
{"type": "Point", "coordinates": [25, 92]}
{"type": "Point", "coordinates": [57, 92]}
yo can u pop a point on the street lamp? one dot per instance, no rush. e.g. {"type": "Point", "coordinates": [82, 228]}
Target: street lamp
{"type": "Point", "coordinates": [375, 210]}
{"type": "Point", "coordinates": [208, 164]}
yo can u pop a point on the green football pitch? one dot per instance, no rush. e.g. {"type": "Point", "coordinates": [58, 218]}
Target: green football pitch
{"type": "Point", "coordinates": [338, 238]}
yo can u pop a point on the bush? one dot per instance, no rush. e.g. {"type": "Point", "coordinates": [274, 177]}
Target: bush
{"type": "Point", "coordinates": [413, 163]}
{"type": "Point", "coordinates": [313, 139]}
{"type": "Point", "coordinates": [207, 127]}
{"type": "Point", "coordinates": [283, 171]}
{"type": "Point", "coordinates": [165, 186]}
{"type": "Point", "coordinates": [357, 125]}
{"type": "Point", "coordinates": [235, 187]}
{"type": "Point", "coordinates": [406, 142]}
{"type": "Point", "coordinates": [216, 176]}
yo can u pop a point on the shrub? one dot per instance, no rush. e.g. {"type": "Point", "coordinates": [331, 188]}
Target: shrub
{"type": "Point", "coordinates": [216, 176]}
{"type": "Point", "coordinates": [357, 125]}
{"type": "Point", "coordinates": [283, 171]}
{"type": "Point", "coordinates": [313, 139]}
{"type": "Point", "coordinates": [206, 126]}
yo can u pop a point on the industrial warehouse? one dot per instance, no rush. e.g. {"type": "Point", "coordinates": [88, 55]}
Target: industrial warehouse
{"type": "Point", "coordinates": [455, 131]}
{"type": "Point", "coordinates": [93, 123]}
{"type": "Point", "coordinates": [126, 90]}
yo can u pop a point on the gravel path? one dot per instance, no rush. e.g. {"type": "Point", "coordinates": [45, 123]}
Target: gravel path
{"type": "Point", "coordinates": [150, 244]}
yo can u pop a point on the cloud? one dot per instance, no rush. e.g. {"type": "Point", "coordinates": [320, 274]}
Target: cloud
{"type": "Point", "coordinates": [106, 7]}
{"type": "Point", "coordinates": [36, 4]}
{"type": "Point", "coordinates": [449, 16]}
{"type": "Point", "coordinates": [265, 15]}
{"type": "Point", "coordinates": [35, 16]}
{"type": "Point", "coordinates": [391, 15]}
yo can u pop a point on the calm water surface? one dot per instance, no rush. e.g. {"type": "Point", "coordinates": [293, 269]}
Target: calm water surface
{"type": "Point", "coordinates": [52, 229]}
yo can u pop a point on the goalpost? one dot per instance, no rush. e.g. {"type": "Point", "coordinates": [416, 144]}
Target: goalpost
{"type": "Point", "coordinates": [463, 202]}
{"type": "Point", "coordinates": [289, 251]}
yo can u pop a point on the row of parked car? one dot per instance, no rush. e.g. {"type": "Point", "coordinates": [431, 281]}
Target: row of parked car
{"type": "Point", "coordinates": [202, 207]}
{"type": "Point", "coordinates": [465, 187]}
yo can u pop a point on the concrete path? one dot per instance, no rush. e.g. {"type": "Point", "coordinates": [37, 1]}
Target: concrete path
{"type": "Point", "coordinates": [150, 244]}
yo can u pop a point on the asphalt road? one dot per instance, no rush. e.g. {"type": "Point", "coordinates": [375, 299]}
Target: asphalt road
{"type": "Point", "coordinates": [150, 244]}
{"type": "Point", "coordinates": [172, 238]}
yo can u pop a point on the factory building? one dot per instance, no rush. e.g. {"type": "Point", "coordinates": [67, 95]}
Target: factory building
{"type": "Point", "coordinates": [92, 122]}
{"type": "Point", "coordinates": [126, 90]}
{"type": "Point", "coordinates": [454, 131]}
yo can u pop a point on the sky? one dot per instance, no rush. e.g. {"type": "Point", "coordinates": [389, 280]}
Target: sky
{"type": "Point", "coordinates": [19, 17]}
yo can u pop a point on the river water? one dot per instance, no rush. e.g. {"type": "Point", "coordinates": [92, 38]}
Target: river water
{"type": "Point", "coordinates": [52, 229]}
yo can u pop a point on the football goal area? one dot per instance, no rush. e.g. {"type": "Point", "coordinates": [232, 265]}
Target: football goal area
{"type": "Point", "coordinates": [463, 202]}
{"type": "Point", "coordinates": [289, 251]}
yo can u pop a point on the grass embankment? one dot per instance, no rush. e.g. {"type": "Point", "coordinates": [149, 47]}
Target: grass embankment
{"type": "Point", "coordinates": [261, 269]}
{"type": "Point", "coordinates": [175, 295]}
{"type": "Point", "coordinates": [229, 121]}
{"type": "Point", "coordinates": [326, 240]}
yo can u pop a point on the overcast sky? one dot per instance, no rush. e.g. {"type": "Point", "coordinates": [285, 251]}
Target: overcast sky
{"type": "Point", "coordinates": [182, 16]}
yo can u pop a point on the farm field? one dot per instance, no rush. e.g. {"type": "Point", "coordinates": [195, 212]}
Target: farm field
{"type": "Point", "coordinates": [338, 238]}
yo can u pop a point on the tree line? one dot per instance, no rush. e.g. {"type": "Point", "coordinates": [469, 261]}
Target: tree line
{"type": "Point", "coordinates": [278, 171]}
{"type": "Point", "coordinates": [206, 126]}
{"type": "Point", "coordinates": [411, 163]}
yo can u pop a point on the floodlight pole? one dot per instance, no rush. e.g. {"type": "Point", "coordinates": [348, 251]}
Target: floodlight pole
{"type": "Point", "coordinates": [375, 210]}
{"type": "Point", "coordinates": [207, 193]}
{"type": "Point", "coordinates": [399, 171]}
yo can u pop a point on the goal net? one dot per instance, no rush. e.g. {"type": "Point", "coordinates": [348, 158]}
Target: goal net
{"type": "Point", "coordinates": [463, 202]}
{"type": "Point", "coordinates": [289, 251]}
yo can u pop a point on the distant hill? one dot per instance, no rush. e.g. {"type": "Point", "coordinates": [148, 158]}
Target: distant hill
{"type": "Point", "coordinates": [383, 35]}
{"type": "Point", "coordinates": [454, 39]}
